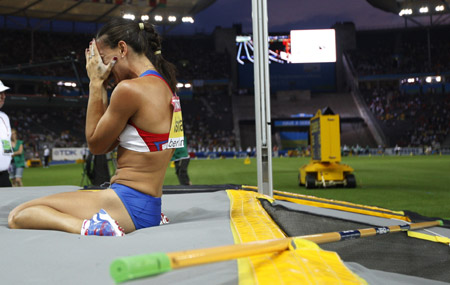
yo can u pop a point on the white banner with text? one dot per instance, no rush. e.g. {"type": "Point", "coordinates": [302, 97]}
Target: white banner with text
{"type": "Point", "coordinates": [69, 153]}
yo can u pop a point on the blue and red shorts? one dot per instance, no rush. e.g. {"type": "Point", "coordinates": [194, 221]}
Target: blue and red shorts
{"type": "Point", "coordinates": [144, 209]}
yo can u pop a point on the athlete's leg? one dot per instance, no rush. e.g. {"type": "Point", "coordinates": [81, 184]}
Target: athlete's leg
{"type": "Point", "coordinates": [66, 211]}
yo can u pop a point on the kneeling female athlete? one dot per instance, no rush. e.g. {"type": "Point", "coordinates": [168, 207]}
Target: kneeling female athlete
{"type": "Point", "coordinates": [139, 119]}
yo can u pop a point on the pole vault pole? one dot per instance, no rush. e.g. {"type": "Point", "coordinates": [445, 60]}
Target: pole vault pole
{"type": "Point", "coordinates": [262, 97]}
{"type": "Point", "coordinates": [132, 267]}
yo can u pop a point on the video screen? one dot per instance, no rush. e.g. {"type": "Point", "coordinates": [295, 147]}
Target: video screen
{"type": "Point", "coordinates": [301, 46]}
{"type": "Point", "coordinates": [278, 49]}
{"type": "Point", "coordinates": [313, 46]}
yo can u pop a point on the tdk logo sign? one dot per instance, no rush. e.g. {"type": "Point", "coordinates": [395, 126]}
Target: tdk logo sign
{"type": "Point", "coordinates": [65, 152]}
{"type": "Point", "coordinates": [68, 153]}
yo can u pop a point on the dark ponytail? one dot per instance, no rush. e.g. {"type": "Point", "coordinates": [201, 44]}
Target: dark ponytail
{"type": "Point", "coordinates": [144, 39]}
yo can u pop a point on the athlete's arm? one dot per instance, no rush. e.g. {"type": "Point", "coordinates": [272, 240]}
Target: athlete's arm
{"type": "Point", "coordinates": [103, 128]}
{"type": "Point", "coordinates": [113, 146]}
{"type": "Point", "coordinates": [104, 123]}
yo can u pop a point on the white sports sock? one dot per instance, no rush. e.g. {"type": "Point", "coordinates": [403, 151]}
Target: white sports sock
{"type": "Point", "coordinates": [84, 226]}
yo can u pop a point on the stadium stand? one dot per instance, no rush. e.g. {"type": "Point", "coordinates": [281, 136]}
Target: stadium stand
{"type": "Point", "coordinates": [37, 73]}
{"type": "Point", "coordinates": [55, 127]}
{"type": "Point", "coordinates": [402, 51]}
{"type": "Point", "coordinates": [208, 120]}
{"type": "Point", "coordinates": [41, 47]}
{"type": "Point", "coordinates": [411, 113]}
{"type": "Point", "coordinates": [342, 104]}
{"type": "Point", "coordinates": [214, 105]}
{"type": "Point", "coordinates": [193, 56]}
{"type": "Point", "coordinates": [409, 119]}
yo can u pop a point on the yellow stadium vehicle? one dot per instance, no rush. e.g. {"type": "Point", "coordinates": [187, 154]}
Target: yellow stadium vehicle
{"type": "Point", "coordinates": [325, 169]}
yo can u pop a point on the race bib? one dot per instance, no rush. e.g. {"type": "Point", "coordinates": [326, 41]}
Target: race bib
{"type": "Point", "coordinates": [176, 134]}
{"type": "Point", "coordinates": [7, 149]}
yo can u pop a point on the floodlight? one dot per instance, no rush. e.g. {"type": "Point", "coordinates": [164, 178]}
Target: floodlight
{"type": "Point", "coordinates": [438, 79]}
{"type": "Point", "coordinates": [405, 12]}
{"type": "Point", "coordinates": [423, 10]}
{"type": "Point", "coordinates": [428, 79]}
{"type": "Point", "coordinates": [187, 85]}
{"type": "Point", "coordinates": [158, 18]}
{"type": "Point", "coordinates": [187, 20]}
{"type": "Point", "coordinates": [172, 19]}
{"type": "Point", "coordinates": [129, 16]}
{"type": "Point", "coordinates": [68, 84]}
{"type": "Point", "coordinates": [439, 8]}
{"type": "Point", "coordinates": [411, 80]}
{"type": "Point", "coordinates": [180, 85]}
{"type": "Point", "coordinates": [145, 17]}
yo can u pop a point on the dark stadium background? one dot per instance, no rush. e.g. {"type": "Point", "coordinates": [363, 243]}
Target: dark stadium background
{"type": "Point", "coordinates": [382, 51]}
{"type": "Point", "coordinates": [377, 53]}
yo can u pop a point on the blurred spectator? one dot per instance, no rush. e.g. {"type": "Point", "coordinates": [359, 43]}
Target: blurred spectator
{"type": "Point", "coordinates": [181, 159]}
{"type": "Point", "coordinates": [46, 156]}
{"type": "Point", "coordinates": [18, 160]}
{"type": "Point", "coordinates": [5, 137]}
{"type": "Point", "coordinates": [410, 119]}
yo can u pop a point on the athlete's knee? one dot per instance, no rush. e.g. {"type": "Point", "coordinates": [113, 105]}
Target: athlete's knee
{"type": "Point", "coordinates": [12, 219]}
{"type": "Point", "coordinates": [17, 216]}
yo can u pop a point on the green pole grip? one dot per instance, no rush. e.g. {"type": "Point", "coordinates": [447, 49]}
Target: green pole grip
{"type": "Point", "coordinates": [132, 267]}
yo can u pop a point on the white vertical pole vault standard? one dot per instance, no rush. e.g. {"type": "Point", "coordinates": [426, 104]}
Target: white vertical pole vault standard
{"type": "Point", "coordinates": [262, 97]}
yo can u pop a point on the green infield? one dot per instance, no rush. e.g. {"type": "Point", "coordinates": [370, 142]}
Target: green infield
{"type": "Point", "coordinates": [416, 183]}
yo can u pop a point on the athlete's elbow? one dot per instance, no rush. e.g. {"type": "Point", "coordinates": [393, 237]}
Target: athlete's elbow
{"type": "Point", "coordinates": [100, 144]}
{"type": "Point", "coordinates": [96, 148]}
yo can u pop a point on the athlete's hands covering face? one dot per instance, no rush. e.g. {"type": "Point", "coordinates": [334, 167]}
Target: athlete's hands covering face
{"type": "Point", "coordinates": [96, 69]}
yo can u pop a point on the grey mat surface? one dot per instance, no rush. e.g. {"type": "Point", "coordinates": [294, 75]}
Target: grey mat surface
{"type": "Point", "coordinates": [52, 257]}
{"type": "Point", "coordinates": [198, 220]}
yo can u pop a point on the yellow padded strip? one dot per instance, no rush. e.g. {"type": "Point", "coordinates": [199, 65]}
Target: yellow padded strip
{"type": "Point", "coordinates": [248, 223]}
{"type": "Point", "coordinates": [249, 220]}
{"type": "Point", "coordinates": [429, 237]}
{"type": "Point", "coordinates": [335, 204]}
{"type": "Point", "coordinates": [342, 208]}
{"type": "Point", "coordinates": [340, 205]}
{"type": "Point", "coordinates": [307, 264]}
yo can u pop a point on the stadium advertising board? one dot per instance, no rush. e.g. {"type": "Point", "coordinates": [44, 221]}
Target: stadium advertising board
{"type": "Point", "coordinates": [69, 153]}
{"type": "Point", "coordinates": [293, 132]}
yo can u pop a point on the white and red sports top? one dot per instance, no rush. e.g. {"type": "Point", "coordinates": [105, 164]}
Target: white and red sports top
{"type": "Point", "coordinates": [135, 139]}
